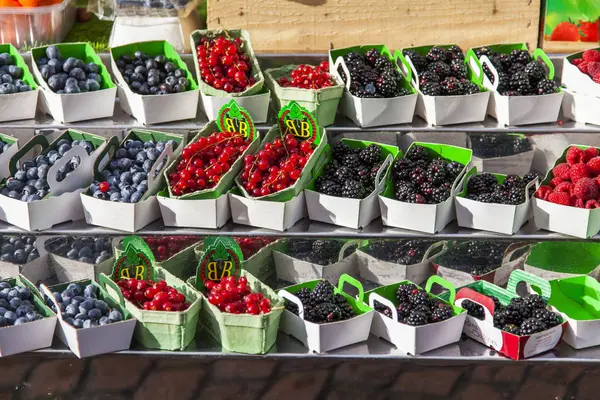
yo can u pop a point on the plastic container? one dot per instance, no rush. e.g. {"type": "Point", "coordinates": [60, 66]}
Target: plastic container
{"type": "Point", "coordinates": [22, 26]}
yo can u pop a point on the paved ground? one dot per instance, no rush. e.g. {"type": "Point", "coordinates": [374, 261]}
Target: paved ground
{"type": "Point", "coordinates": [132, 377]}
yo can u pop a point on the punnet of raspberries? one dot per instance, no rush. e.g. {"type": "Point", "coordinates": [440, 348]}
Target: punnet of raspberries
{"type": "Point", "coordinates": [224, 64]}
{"type": "Point", "coordinates": [276, 167]}
{"type": "Point", "coordinates": [204, 162]}
{"type": "Point", "coordinates": [589, 64]}
{"type": "Point", "coordinates": [235, 296]}
{"type": "Point", "coordinates": [442, 72]}
{"type": "Point", "coordinates": [308, 77]}
{"type": "Point", "coordinates": [372, 75]}
{"type": "Point", "coordinates": [486, 188]}
{"type": "Point", "coordinates": [575, 182]}
{"type": "Point", "coordinates": [518, 73]}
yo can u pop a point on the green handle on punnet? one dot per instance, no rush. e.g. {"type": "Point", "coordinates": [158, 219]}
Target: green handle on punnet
{"type": "Point", "coordinates": [476, 67]}
{"type": "Point", "coordinates": [111, 147]}
{"type": "Point", "coordinates": [408, 69]}
{"type": "Point", "coordinates": [346, 245]}
{"type": "Point", "coordinates": [322, 161]}
{"type": "Point", "coordinates": [27, 283]}
{"type": "Point", "coordinates": [518, 276]}
{"type": "Point", "coordinates": [433, 279]}
{"type": "Point", "coordinates": [345, 278]}
{"type": "Point", "coordinates": [539, 53]}
{"type": "Point", "coordinates": [399, 57]}
{"type": "Point", "coordinates": [37, 140]}
{"type": "Point", "coordinates": [433, 247]}
{"type": "Point", "coordinates": [106, 282]}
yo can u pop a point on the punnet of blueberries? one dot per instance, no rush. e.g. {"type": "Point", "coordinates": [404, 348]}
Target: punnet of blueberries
{"type": "Point", "coordinates": [3, 146]}
{"type": "Point", "coordinates": [16, 306]}
{"type": "Point", "coordinates": [86, 249]}
{"type": "Point", "coordinates": [147, 75]}
{"type": "Point", "coordinates": [126, 178]}
{"type": "Point", "coordinates": [82, 308]}
{"type": "Point", "coordinates": [68, 76]}
{"type": "Point", "coordinates": [11, 76]}
{"type": "Point", "coordinates": [18, 249]}
{"type": "Point", "coordinates": [30, 182]}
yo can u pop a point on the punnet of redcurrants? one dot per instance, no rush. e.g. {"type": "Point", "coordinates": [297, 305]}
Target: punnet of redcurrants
{"type": "Point", "coordinates": [147, 75]}
{"type": "Point", "coordinates": [251, 245]}
{"type": "Point", "coordinates": [154, 296]}
{"type": "Point", "coordinates": [204, 162]}
{"type": "Point", "coordinates": [68, 76]}
{"type": "Point", "coordinates": [165, 247]}
{"type": "Point", "coordinates": [224, 64]}
{"type": "Point", "coordinates": [308, 77]}
{"type": "Point", "coordinates": [276, 167]}
{"type": "Point", "coordinates": [235, 296]}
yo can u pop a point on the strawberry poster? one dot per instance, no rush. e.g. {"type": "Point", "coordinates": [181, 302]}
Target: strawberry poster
{"type": "Point", "coordinates": [572, 21]}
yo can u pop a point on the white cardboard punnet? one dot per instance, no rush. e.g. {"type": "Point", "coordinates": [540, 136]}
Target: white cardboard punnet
{"type": "Point", "coordinates": [203, 213]}
{"type": "Point", "coordinates": [578, 222]}
{"type": "Point", "coordinates": [581, 107]}
{"type": "Point", "coordinates": [17, 106]}
{"type": "Point", "coordinates": [576, 80]}
{"type": "Point", "coordinates": [276, 215]}
{"type": "Point", "coordinates": [517, 164]}
{"type": "Point", "coordinates": [257, 105]}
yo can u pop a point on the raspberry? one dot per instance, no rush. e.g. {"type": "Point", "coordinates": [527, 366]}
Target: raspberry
{"type": "Point", "coordinates": [585, 189]}
{"type": "Point", "coordinates": [591, 55]}
{"type": "Point", "coordinates": [566, 187]}
{"type": "Point", "coordinates": [579, 171]}
{"type": "Point", "coordinates": [562, 171]}
{"type": "Point", "coordinates": [577, 61]}
{"type": "Point", "coordinates": [596, 78]}
{"type": "Point", "coordinates": [579, 203]}
{"type": "Point", "coordinates": [583, 67]}
{"type": "Point", "coordinates": [556, 181]}
{"type": "Point", "coordinates": [543, 192]}
{"type": "Point", "coordinates": [594, 165]}
{"type": "Point", "coordinates": [591, 204]}
{"type": "Point", "coordinates": [593, 68]}
{"type": "Point", "coordinates": [559, 198]}
{"type": "Point", "coordinates": [590, 153]}
{"type": "Point", "coordinates": [574, 155]}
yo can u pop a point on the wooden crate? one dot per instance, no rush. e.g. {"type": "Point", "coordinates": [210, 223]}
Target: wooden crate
{"type": "Point", "coordinates": [315, 26]}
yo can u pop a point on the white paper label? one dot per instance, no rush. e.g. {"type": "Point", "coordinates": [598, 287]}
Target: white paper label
{"type": "Point", "coordinates": [483, 332]}
{"type": "Point", "coordinates": [541, 342]}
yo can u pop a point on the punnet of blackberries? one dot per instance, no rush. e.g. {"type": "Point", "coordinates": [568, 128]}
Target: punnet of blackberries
{"type": "Point", "coordinates": [321, 304]}
{"type": "Point", "coordinates": [485, 145]}
{"type": "Point", "coordinates": [85, 249]}
{"type": "Point", "coordinates": [522, 316]}
{"type": "Point", "coordinates": [442, 72]}
{"type": "Point", "coordinates": [486, 188]}
{"type": "Point", "coordinates": [518, 73]}
{"type": "Point", "coordinates": [475, 257]}
{"type": "Point", "coordinates": [350, 173]}
{"type": "Point", "coordinates": [373, 75]}
{"type": "Point", "coordinates": [405, 252]}
{"type": "Point", "coordinates": [422, 178]}
{"type": "Point", "coordinates": [416, 307]}
{"type": "Point", "coordinates": [18, 249]}
{"type": "Point", "coordinates": [318, 251]}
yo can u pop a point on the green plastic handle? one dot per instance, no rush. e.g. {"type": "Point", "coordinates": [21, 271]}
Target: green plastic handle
{"type": "Point", "coordinates": [398, 56]}
{"type": "Point", "coordinates": [518, 276]}
{"type": "Point", "coordinates": [324, 158]}
{"type": "Point", "coordinates": [442, 282]}
{"type": "Point", "coordinates": [112, 144]}
{"type": "Point", "coordinates": [105, 281]}
{"type": "Point", "coordinates": [37, 140]}
{"type": "Point", "coordinates": [345, 278]}
{"type": "Point", "coordinates": [479, 74]}
{"type": "Point", "coordinates": [26, 282]}
{"type": "Point", "coordinates": [539, 53]}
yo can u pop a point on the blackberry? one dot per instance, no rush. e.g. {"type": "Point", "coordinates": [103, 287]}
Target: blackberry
{"type": "Point", "coordinates": [387, 88]}
{"type": "Point", "coordinates": [469, 87]}
{"type": "Point", "coordinates": [480, 184]}
{"type": "Point", "coordinates": [351, 160]}
{"type": "Point", "coordinates": [515, 196]}
{"type": "Point", "coordinates": [342, 174]}
{"type": "Point", "coordinates": [453, 169]}
{"type": "Point", "coordinates": [514, 68]}
{"type": "Point", "coordinates": [532, 326]}
{"type": "Point", "coordinates": [417, 176]}
{"type": "Point", "coordinates": [497, 305]}
{"type": "Point", "coordinates": [426, 188]}
{"type": "Point", "coordinates": [436, 54]}
{"type": "Point", "coordinates": [520, 83]}
{"type": "Point", "coordinates": [340, 150]}
{"type": "Point", "coordinates": [516, 312]}
{"type": "Point", "coordinates": [455, 53]}
{"type": "Point", "coordinates": [474, 257]}
{"type": "Point", "coordinates": [436, 173]}
{"type": "Point", "coordinates": [417, 152]}
{"type": "Point", "coordinates": [352, 189]}
{"type": "Point", "coordinates": [483, 51]}
{"type": "Point", "coordinates": [403, 92]}
{"type": "Point", "coordinates": [451, 86]}
{"type": "Point", "coordinates": [325, 313]}
{"type": "Point", "coordinates": [299, 246]}
{"type": "Point", "coordinates": [418, 61]}
{"type": "Point", "coordinates": [440, 194]}
{"type": "Point", "coordinates": [404, 309]}
{"type": "Point", "coordinates": [487, 198]}
{"type": "Point", "coordinates": [328, 187]}
{"type": "Point", "coordinates": [404, 189]}
{"type": "Point", "coordinates": [291, 307]}
{"type": "Point", "coordinates": [535, 72]}
{"type": "Point", "coordinates": [304, 296]}
{"type": "Point", "coordinates": [370, 155]}
{"type": "Point", "coordinates": [322, 292]}
{"type": "Point", "coordinates": [546, 86]}
{"type": "Point", "coordinates": [374, 170]}
{"type": "Point", "coordinates": [418, 298]}
{"type": "Point", "coordinates": [371, 55]}
{"type": "Point", "coordinates": [512, 181]}
{"type": "Point", "coordinates": [382, 63]}
{"type": "Point", "coordinates": [441, 314]}
{"type": "Point", "coordinates": [473, 309]}
{"type": "Point", "coordinates": [521, 145]}
{"type": "Point", "coordinates": [345, 308]}
{"type": "Point", "coordinates": [416, 318]}
{"type": "Point", "coordinates": [458, 69]}
{"type": "Point", "coordinates": [503, 81]}
{"type": "Point", "coordinates": [440, 68]}
{"type": "Point", "coordinates": [385, 310]}
{"type": "Point", "coordinates": [427, 77]}
{"type": "Point", "coordinates": [511, 328]}
{"type": "Point", "coordinates": [520, 56]}
{"type": "Point", "coordinates": [364, 174]}
{"type": "Point", "coordinates": [511, 93]}
{"type": "Point", "coordinates": [403, 291]}
{"type": "Point", "coordinates": [431, 89]}
{"type": "Point", "coordinates": [549, 318]}
{"type": "Point", "coordinates": [534, 302]}
{"type": "Point", "coordinates": [530, 176]}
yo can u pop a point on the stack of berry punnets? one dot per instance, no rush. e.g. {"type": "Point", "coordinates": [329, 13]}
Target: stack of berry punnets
{"type": "Point", "coordinates": [449, 91]}
{"type": "Point", "coordinates": [495, 202]}
{"type": "Point", "coordinates": [154, 109]}
{"type": "Point", "coordinates": [137, 162]}
{"type": "Point", "coordinates": [48, 186]}
{"type": "Point", "coordinates": [420, 188]}
{"type": "Point", "coordinates": [322, 101]}
{"type": "Point", "coordinates": [299, 260]}
{"type": "Point", "coordinates": [515, 327]}
{"type": "Point", "coordinates": [323, 321]}
{"type": "Point", "coordinates": [389, 261]}
{"type": "Point", "coordinates": [376, 92]}
{"type": "Point", "coordinates": [90, 322]}
{"type": "Point", "coordinates": [346, 183]}
{"type": "Point", "coordinates": [21, 105]}
{"type": "Point", "coordinates": [567, 199]}
{"type": "Point", "coordinates": [510, 153]}
{"type": "Point", "coordinates": [519, 82]}
{"type": "Point", "coordinates": [413, 319]}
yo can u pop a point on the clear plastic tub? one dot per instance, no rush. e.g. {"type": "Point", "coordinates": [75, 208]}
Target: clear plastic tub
{"type": "Point", "coordinates": [28, 26]}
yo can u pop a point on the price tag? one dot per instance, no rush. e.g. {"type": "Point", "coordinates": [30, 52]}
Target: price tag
{"type": "Point", "coordinates": [299, 122]}
{"type": "Point", "coordinates": [222, 257]}
{"type": "Point", "coordinates": [136, 261]}
{"type": "Point", "coordinates": [233, 118]}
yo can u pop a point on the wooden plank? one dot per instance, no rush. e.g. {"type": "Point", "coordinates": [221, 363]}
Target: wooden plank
{"type": "Point", "coordinates": [315, 26]}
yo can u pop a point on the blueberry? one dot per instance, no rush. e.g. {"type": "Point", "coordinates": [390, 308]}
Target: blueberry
{"type": "Point", "coordinates": [126, 177]}
{"type": "Point", "coordinates": [147, 166]}
{"type": "Point", "coordinates": [52, 159]}
{"type": "Point", "coordinates": [81, 316]}
{"type": "Point", "coordinates": [121, 153]}
{"type": "Point", "coordinates": [88, 323]}
{"type": "Point", "coordinates": [100, 195]}
{"type": "Point", "coordinates": [71, 310]}
{"type": "Point", "coordinates": [3, 322]}
{"type": "Point", "coordinates": [66, 296]}
{"type": "Point", "coordinates": [22, 310]}
{"type": "Point", "coordinates": [56, 83]}
{"type": "Point", "coordinates": [95, 77]}
{"type": "Point", "coordinates": [12, 294]}
{"type": "Point", "coordinates": [15, 302]}
{"type": "Point", "coordinates": [101, 258]}
{"type": "Point", "coordinates": [13, 194]}
{"type": "Point", "coordinates": [92, 85]}
{"type": "Point", "coordinates": [32, 173]}
{"type": "Point", "coordinates": [20, 256]}
{"type": "Point", "coordinates": [94, 313]}
{"type": "Point", "coordinates": [56, 63]}
{"type": "Point", "coordinates": [24, 292]}
{"type": "Point", "coordinates": [41, 160]}
{"type": "Point", "coordinates": [69, 64]}
{"type": "Point", "coordinates": [52, 52]}
{"type": "Point", "coordinates": [85, 252]}
{"type": "Point", "coordinates": [3, 310]}
{"type": "Point", "coordinates": [83, 86]}
{"type": "Point", "coordinates": [139, 177]}
{"type": "Point", "coordinates": [72, 89]}
{"type": "Point", "coordinates": [46, 71]}
{"type": "Point", "coordinates": [40, 184]}
{"type": "Point", "coordinates": [115, 196]}
{"type": "Point", "coordinates": [14, 184]}
{"type": "Point", "coordinates": [20, 321]}
{"type": "Point", "coordinates": [7, 88]}
{"type": "Point", "coordinates": [115, 316]}
{"type": "Point", "coordinates": [137, 196]}
{"type": "Point", "coordinates": [10, 317]}
{"type": "Point", "coordinates": [69, 82]}
{"type": "Point", "coordinates": [171, 80]}
{"type": "Point", "coordinates": [24, 88]}
{"type": "Point", "coordinates": [62, 149]}
{"type": "Point", "coordinates": [57, 297]}
{"type": "Point", "coordinates": [6, 59]}
{"type": "Point", "coordinates": [101, 305]}
{"type": "Point", "coordinates": [77, 323]}
{"type": "Point", "coordinates": [18, 244]}
{"type": "Point", "coordinates": [4, 304]}
{"type": "Point", "coordinates": [33, 316]}
{"type": "Point", "coordinates": [125, 163]}
{"type": "Point", "coordinates": [21, 175]}
{"type": "Point", "coordinates": [90, 291]}
{"type": "Point", "coordinates": [92, 68]}
{"type": "Point", "coordinates": [75, 289]}
{"type": "Point", "coordinates": [104, 321]}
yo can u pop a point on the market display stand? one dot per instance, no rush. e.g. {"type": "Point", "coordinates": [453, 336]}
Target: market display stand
{"type": "Point", "coordinates": [203, 369]}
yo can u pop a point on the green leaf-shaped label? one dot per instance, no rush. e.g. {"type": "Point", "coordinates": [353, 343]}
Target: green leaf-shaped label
{"type": "Point", "coordinates": [233, 118]}
{"type": "Point", "coordinates": [136, 261]}
{"type": "Point", "coordinates": [222, 257]}
{"type": "Point", "coordinates": [299, 122]}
